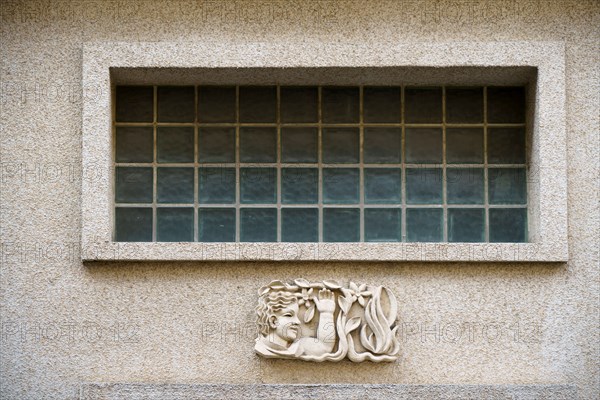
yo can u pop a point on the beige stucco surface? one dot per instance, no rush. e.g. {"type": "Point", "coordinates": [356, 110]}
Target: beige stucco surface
{"type": "Point", "coordinates": [65, 322]}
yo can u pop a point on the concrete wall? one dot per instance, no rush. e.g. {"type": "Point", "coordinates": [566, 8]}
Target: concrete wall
{"type": "Point", "coordinates": [64, 322]}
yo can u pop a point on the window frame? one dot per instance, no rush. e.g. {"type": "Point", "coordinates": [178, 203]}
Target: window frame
{"type": "Point", "coordinates": [107, 64]}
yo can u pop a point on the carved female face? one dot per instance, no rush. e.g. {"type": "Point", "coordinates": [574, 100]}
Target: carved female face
{"type": "Point", "coordinates": [285, 323]}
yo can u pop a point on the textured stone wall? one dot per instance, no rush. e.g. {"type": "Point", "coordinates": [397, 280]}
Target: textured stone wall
{"type": "Point", "coordinates": [63, 322]}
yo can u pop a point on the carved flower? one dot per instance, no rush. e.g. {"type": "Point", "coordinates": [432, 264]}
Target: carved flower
{"type": "Point", "coordinates": [306, 297]}
{"type": "Point", "coordinates": [359, 293]}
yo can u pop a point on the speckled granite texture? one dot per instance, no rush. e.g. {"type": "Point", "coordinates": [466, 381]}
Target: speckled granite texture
{"type": "Point", "coordinates": [332, 392]}
{"type": "Point", "coordinates": [478, 323]}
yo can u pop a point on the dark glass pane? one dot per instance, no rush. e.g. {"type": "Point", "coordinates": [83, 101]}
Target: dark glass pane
{"type": "Point", "coordinates": [258, 145]}
{"type": "Point", "coordinates": [423, 105]}
{"type": "Point", "coordinates": [464, 105]}
{"type": "Point", "coordinates": [258, 224]}
{"type": "Point", "coordinates": [258, 185]}
{"type": "Point", "coordinates": [175, 144]}
{"type": "Point", "coordinates": [506, 104]}
{"type": "Point", "coordinates": [506, 146]}
{"type": "Point", "coordinates": [299, 185]}
{"type": "Point", "coordinates": [423, 185]}
{"type": "Point", "coordinates": [466, 225]}
{"type": "Point", "coordinates": [299, 104]}
{"type": "Point", "coordinates": [134, 104]}
{"type": "Point", "coordinates": [383, 225]}
{"type": "Point", "coordinates": [341, 225]}
{"type": "Point", "coordinates": [133, 185]}
{"type": "Point", "coordinates": [424, 224]}
{"type": "Point", "coordinates": [465, 185]}
{"type": "Point", "coordinates": [299, 145]}
{"type": "Point", "coordinates": [424, 145]}
{"type": "Point", "coordinates": [340, 105]}
{"type": "Point", "coordinates": [381, 104]}
{"type": "Point", "coordinates": [176, 104]}
{"type": "Point", "coordinates": [175, 185]}
{"type": "Point", "coordinates": [507, 185]}
{"type": "Point", "coordinates": [216, 145]}
{"type": "Point", "coordinates": [135, 144]}
{"type": "Point", "coordinates": [300, 225]}
{"type": "Point", "coordinates": [216, 185]}
{"type": "Point", "coordinates": [216, 224]}
{"type": "Point", "coordinates": [340, 185]}
{"type": "Point", "coordinates": [464, 145]}
{"type": "Point", "coordinates": [258, 103]}
{"type": "Point", "coordinates": [133, 224]}
{"type": "Point", "coordinates": [383, 185]}
{"type": "Point", "coordinates": [341, 145]}
{"type": "Point", "coordinates": [382, 145]}
{"type": "Point", "coordinates": [175, 224]}
{"type": "Point", "coordinates": [216, 104]}
{"type": "Point", "coordinates": [508, 225]}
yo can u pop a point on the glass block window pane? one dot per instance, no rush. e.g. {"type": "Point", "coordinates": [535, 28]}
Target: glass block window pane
{"type": "Point", "coordinates": [134, 104]}
{"type": "Point", "coordinates": [216, 104]}
{"type": "Point", "coordinates": [465, 185]}
{"type": "Point", "coordinates": [508, 225]}
{"type": "Point", "coordinates": [341, 105]}
{"type": "Point", "coordinates": [464, 145]}
{"type": "Point", "coordinates": [464, 105]}
{"type": "Point", "coordinates": [216, 185]}
{"type": "Point", "coordinates": [258, 185]}
{"type": "Point", "coordinates": [423, 105]}
{"type": "Point", "coordinates": [258, 224]}
{"type": "Point", "coordinates": [382, 145]}
{"type": "Point", "coordinates": [258, 104]}
{"type": "Point", "coordinates": [133, 185]}
{"type": "Point", "coordinates": [382, 185]}
{"type": "Point", "coordinates": [299, 145]}
{"type": "Point", "coordinates": [175, 224]}
{"type": "Point", "coordinates": [424, 185]}
{"type": "Point", "coordinates": [258, 145]}
{"type": "Point", "coordinates": [320, 163]}
{"type": "Point", "coordinates": [216, 145]}
{"type": "Point", "coordinates": [216, 224]}
{"type": "Point", "coordinates": [507, 186]}
{"type": "Point", "coordinates": [382, 104]}
{"type": "Point", "coordinates": [300, 225]}
{"type": "Point", "coordinates": [506, 104]}
{"type": "Point", "coordinates": [176, 104]}
{"type": "Point", "coordinates": [175, 144]}
{"type": "Point", "coordinates": [424, 146]}
{"type": "Point", "coordinates": [175, 185]}
{"type": "Point", "coordinates": [506, 145]}
{"type": "Point", "coordinates": [424, 224]}
{"type": "Point", "coordinates": [341, 224]}
{"type": "Point", "coordinates": [383, 225]}
{"type": "Point", "coordinates": [341, 145]}
{"type": "Point", "coordinates": [466, 225]}
{"type": "Point", "coordinates": [299, 185]}
{"type": "Point", "coordinates": [299, 104]}
{"type": "Point", "coordinates": [135, 144]}
{"type": "Point", "coordinates": [133, 224]}
{"type": "Point", "coordinates": [341, 185]}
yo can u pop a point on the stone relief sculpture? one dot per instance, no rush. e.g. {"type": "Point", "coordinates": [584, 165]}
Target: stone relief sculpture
{"type": "Point", "coordinates": [326, 322]}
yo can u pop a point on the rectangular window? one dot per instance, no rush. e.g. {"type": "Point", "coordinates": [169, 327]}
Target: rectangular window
{"type": "Point", "coordinates": [320, 164]}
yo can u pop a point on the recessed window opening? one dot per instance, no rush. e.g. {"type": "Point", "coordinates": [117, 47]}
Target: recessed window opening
{"type": "Point", "coordinates": [320, 164]}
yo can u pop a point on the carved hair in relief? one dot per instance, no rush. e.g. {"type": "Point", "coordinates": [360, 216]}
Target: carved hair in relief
{"type": "Point", "coordinates": [324, 321]}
